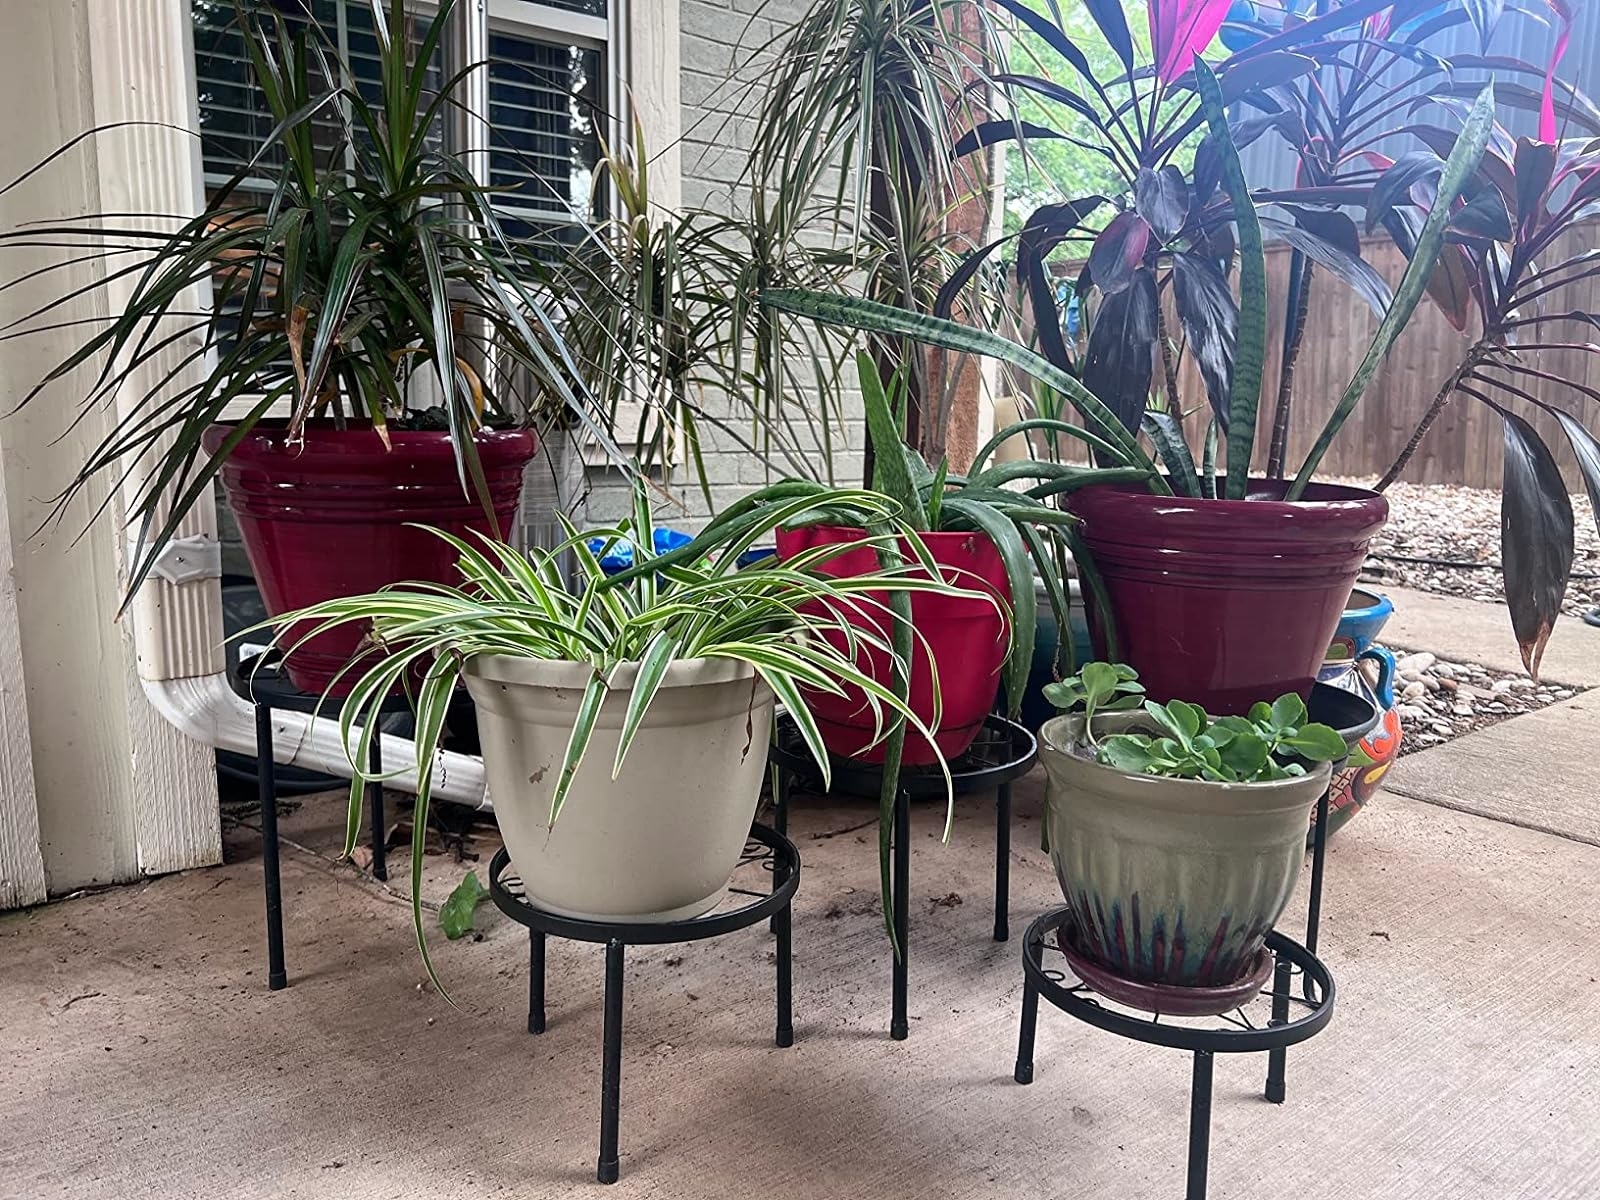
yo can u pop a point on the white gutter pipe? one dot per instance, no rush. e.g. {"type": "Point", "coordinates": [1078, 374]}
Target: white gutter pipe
{"type": "Point", "coordinates": [206, 708]}
{"type": "Point", "coordinates": [150, 167]}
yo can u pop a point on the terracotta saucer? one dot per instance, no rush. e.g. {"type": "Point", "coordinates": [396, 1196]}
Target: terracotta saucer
{"type": "Point", "coordinates": [1167, 999]}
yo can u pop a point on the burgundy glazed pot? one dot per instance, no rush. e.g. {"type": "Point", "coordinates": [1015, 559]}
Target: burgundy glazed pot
{"type": "Point", "coordinates": [328, 517]}
{"type": "Point", "coordinates": [1226, 602]}
{"type": "Point", "coordinates": [966, 638]}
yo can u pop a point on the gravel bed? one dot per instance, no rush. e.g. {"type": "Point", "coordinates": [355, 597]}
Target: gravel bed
{"type": "Point", "coordinates": [1461, 525]}
{"type": "Point", "coordinates": [1439, 700]}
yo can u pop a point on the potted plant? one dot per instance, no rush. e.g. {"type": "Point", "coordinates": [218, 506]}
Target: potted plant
{"type": "Point", "coordinates": [624, 720]}
{"type": "Point", "coordinates": [1176, 838]}
{"type": "Point", "coordinates": [354, 369]}
{"type": "Point", "coordinates": [987, 538]}
{"type": "Point", "coordinates": [1245, 578]}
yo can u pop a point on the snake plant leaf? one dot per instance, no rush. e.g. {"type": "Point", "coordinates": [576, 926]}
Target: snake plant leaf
{"type": "Point", "coordinates": [1244, 394]}
{"type": "Point", "coordinates": [1002, 531]}
{"type": "Point", "coordinates": [873, 317]}
{"type": "Point", "coordinates": [1458, 169]}
{"type": "Point", "coordinates": [1536, 537]}
{"type": "Point", "coordinates": [1166, 434]}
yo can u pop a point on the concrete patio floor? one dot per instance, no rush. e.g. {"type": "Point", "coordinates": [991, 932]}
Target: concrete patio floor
{"type": "Point", "coordinates": [144, 1057]}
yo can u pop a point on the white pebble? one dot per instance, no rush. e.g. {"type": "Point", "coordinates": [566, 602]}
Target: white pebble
{"type": "Point", "coordinates": [1417, 662]}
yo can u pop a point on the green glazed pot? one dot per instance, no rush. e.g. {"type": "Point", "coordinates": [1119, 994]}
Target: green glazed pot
{"type": "Point", "coordinates": [1170, 881]}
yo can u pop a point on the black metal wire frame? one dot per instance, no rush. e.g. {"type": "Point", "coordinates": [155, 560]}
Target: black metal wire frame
{"type": "Point", "coordinates": [767, 848]}
{"type": "Point", "coordinates": [1002, 752]}
{"type": "Point", "coordinates": [262, 681]}
{"type": "Point", "coordinates": [1288, 1019]}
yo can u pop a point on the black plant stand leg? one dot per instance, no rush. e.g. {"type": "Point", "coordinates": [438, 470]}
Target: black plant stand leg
{"type": "Point", "coordinates": [1002, 863]}
{"type": "Point", "coordinates": [899, 1024]}
{"type": "Point", "coordinates": [535, 981]}
{"type": "Point", "coordinates": [267, 793]}
{"type": "Point", "coordinates": [1319, 846]}
{"type": "Point", "coordinates": [611, 1066]}
{"type": "Point", "coordinates": [380, 867]}
{"type": "Point", "coordinates": [782, 784]}
{"type": "Point", "coordinates": [1030, 1026]}
{"type": "Point", "coordinates": [1278, 1057]}
{"type": "Point", "coordinates": [1200, 1125]}
{"type": "Point", "coordinates": [782, 927]}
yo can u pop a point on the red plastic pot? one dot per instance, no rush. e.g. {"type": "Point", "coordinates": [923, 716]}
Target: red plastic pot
{"type": "Point", "coordinates": [1226, 602]}
{"type": "Point", "coordinates": [967, 639]}
{"type": "Point", "coordinates": [328, 517]}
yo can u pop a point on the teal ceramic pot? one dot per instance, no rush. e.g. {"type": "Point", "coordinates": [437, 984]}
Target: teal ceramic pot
{"type": "Point", "coordinates": [1171, 881]}
{"type": "Point", "coordinates": [1359, 780]}
{"type": "Point", "coordinates": [1036, 710]}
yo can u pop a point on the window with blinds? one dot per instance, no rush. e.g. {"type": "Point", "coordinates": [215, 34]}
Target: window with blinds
{"type": "Point", "coordinates": [546, 98]}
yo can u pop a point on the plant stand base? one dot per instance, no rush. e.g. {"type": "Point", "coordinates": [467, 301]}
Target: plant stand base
{"type": "Point", "coordinates": [263, 683]}
{"type": "Point", "coordinates": [767, 850]}
{"type": "Point", "coordinates": [1263, 1023]}
{"type": "Point", "coordinates": [1002, 752]}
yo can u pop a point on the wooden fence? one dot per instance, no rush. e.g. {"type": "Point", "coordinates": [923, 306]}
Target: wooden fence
{"type": "Point", "coordinates": [1465, 445]}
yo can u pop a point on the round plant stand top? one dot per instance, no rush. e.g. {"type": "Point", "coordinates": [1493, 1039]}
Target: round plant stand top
{"type": "Point", "coordinates": [261, 679]}
{"type": "Point", "coordinates": [1002, 751]}
{"type": "Point", "coordinates": [1246, 1029]}
{"type": "Point", "coordinates": [746, 904]}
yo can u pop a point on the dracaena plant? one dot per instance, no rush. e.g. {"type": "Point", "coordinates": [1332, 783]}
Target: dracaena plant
{"type": "Point", "coordinates": [1164, 220]}
{"type": "Point", "coordinates": [695, 602]}
{"type": "Point", "coordinates": [346, 258]}
{"type": "Point", "coordinates": [1111, 424]}
{"type": "Point", "coordinates": [1511, 276]}
{"type": "Point", "coordinates": [1366, 89]}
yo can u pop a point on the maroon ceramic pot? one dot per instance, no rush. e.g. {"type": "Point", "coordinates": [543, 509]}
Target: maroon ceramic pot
{"type": "Point", "coordinates": [1226, 602]}
{"type": "Point", "coordinates": [331, 516]}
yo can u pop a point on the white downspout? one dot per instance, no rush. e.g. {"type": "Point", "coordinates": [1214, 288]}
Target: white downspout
{"type": "Point", "coordinates": [177, 626]}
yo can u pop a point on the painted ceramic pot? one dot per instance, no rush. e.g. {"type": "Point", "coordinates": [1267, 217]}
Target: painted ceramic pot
{"type": "Point", "coordinates": [1171, 881]}
{"type": "Point", "coordinates": [1353, 644]}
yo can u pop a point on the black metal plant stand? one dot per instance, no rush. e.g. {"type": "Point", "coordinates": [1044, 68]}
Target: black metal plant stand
{"type": "Point", "coordinates": [1002, 751]}
{"type": "Point", "coordinates": [263, 682]}
{"type": "Point", "coordinates": [1237, 1032]}
{"type": "Point", "coordinates": [1263, 1023]}
{"type": "Point", "coordinates": [767, 850]}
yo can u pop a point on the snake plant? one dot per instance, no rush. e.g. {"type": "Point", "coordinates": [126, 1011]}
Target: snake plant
{"type": "Point", "coordinates": [691, 603]}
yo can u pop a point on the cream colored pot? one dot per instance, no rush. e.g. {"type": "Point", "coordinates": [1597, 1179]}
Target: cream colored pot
{"type": "Point", "coordinates": [1171, 881]}
{"type": "Point", "coordinates": [659, 842]}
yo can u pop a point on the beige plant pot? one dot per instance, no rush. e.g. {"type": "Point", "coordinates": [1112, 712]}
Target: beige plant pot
{"type": "Point", "coordinates": [659, 842]}
{"type": "Point", "coordinates": [1171, 881]}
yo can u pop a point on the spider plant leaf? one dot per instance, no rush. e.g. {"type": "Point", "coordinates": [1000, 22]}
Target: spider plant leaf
{"type": "Point", "coordinates": [659, 655]}
{"type": "Point", "coordinates": [594, 694]}
{"type": "Point", "coordinates": [1250, 341]}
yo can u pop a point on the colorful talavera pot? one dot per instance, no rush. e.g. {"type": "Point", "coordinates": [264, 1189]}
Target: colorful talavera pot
{"type": "Point", "coordinates": [1353, 643]}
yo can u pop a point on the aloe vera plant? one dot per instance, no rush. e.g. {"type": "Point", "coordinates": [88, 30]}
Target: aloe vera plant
{"type": "Point", "coordinates": [694, 602]}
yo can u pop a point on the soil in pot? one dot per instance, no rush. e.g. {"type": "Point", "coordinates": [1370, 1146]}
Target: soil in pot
{"type": "Point", "coordinates": [1173, 882]}
{"type": "Point", "coordinates": [335, 514]}
{"type": "Point", "coordinates": [1222, 602]}
{"type": "Point", "coordinates": [965, 638]}
{"type": "Point", "coordinates": [659, 842]}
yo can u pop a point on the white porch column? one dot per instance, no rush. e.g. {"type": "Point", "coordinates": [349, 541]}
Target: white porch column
{"type": "Point", "coordinates": [120, 793]}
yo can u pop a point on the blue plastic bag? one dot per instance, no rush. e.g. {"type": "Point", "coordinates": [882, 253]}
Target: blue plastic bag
{"type": "Point", "coordinates": [620, 557]}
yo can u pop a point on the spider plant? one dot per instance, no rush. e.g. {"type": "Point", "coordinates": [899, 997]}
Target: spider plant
{"type": "Point", "coordinates": [347, 258]}
{"type": "Point", "coordinates": [692, 603]}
